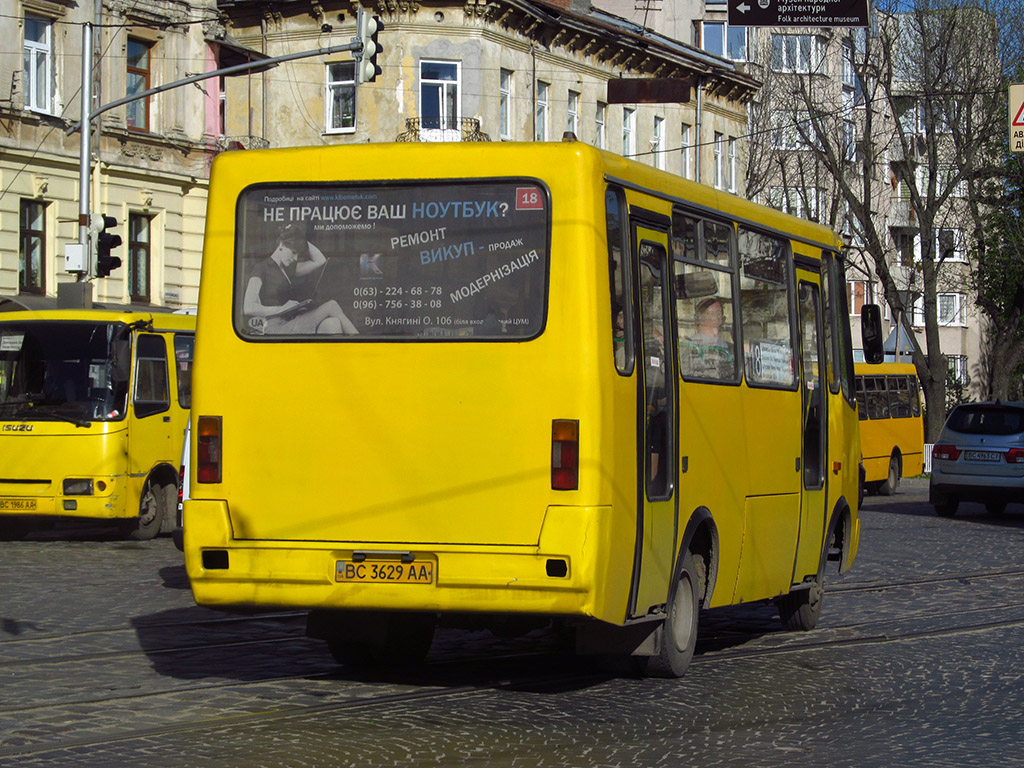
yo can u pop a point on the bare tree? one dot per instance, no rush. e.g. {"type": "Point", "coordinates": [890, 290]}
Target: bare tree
{"type": "Point", "coordinates": [893, 146]}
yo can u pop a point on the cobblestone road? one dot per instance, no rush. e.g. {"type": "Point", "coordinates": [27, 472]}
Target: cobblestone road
{"type": "Point", "coordinates": [105, 660]}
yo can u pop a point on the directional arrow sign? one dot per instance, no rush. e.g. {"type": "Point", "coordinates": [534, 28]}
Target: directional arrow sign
{"type": "Point", "coordinates": [798, 13]}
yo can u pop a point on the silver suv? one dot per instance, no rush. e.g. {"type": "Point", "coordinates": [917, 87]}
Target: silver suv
{"type": "Point", "coordinates": [979, 456]}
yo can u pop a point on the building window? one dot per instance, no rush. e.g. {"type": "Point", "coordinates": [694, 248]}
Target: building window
{"type": "Point", "coordinates": [798, 53]}
{"type": "Point", "coordinates": [572, 123]}
{"type": "Point", "coordinates": [137, 112]}
{"type": "Point", "coordinates": [906, 248]}
{"type": "Point", "coordinates": [790, 130]}
{"type": "Point", "coordinates": [947, 245]}
{"type": "Point", "coordinates": [796, 201]}
{"type": "Point", "coordinates": [440, 101]}
{"type": "Point", "coordinates": [38, 64]}
{"type": "Point", "coordinates": [628, 132]}
{"type": "Point", "coordinates": [600, 120]}
{"type": "Point", "coordinates": [860, 292]}
{"type": "Point", "coordinates": [719, 161]}
{"type": "Point", "coordinates": [951, 308]}
{"type": "Point", "coordinates": [138, 256]}
{"type": "Point", "coordinates": [541, 120]}
{"type": "Point", "coordinates": [849, 140]}
{"type": "Point", "coordinates": [731, 171]}
{"type": "Point", "coordinates": [686, 151]}
{"type": "Point", "coordinates": [658, 143]}
{"type": "Point", "coordinates": [719, 38]}
{"type": "Point", "coordinates": [957, 365]}
{"type": "Point", "coordinates": [222, 107]}
{"type": "Point", "coordinates": [32, 247]}
{"type": "Point", "coordinates": [340, 99]}
{"type": "Point", "coordinates": [505, 104]}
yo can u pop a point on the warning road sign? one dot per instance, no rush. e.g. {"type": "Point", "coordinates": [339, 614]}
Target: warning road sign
{"type": "Point", "coordinates": [1017, 117]}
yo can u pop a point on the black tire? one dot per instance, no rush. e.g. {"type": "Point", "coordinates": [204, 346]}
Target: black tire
{"type": "Point", "coordinates": [151, 513]}
{"type": "Point", "coordinates": [892, 482]}
{"type": "Point", "coordinates": [946, 508]}
{"type": "Point", "coordinates": [679, 632]}
{"type": "Point", "coordinates": [996, 508]}
{"type": "Point", "coordinates": [801, 608]}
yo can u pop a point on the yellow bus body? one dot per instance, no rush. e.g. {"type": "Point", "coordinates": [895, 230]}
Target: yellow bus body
{"type": "Point", "coordinates": [337, 449]}
{"type": "Point", "coordinates": [891, 437]}
{"type": "Point", "coordinates": [42, 450]}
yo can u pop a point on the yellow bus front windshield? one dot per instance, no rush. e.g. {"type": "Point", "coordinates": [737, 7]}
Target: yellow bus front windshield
{"type": "Point", "coordinates": [62, 370]}
{"type": "Point", "coordinates": [428, 260]}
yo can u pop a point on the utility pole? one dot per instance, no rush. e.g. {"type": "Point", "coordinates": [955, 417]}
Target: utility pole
{"type": "Point", "coordinates": [79, 257]}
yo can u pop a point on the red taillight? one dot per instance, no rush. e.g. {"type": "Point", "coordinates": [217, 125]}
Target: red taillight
{"type": "Point", "coordinates": [181, 485]}
{"type": "Point", "coordinates": [1015, 456]}
{"type": "Point", "coordinates": [565, 455]}
{"type": "Point", "coordinates": [945, 452]}
{"type": "Point", "coordinates": [208, 449]}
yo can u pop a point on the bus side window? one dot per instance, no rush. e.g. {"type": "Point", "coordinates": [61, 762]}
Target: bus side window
{"type": "Point", "coordinates": [862, 400]}
{"type": "Point", "coordinates": [183, 345]}
{"type": "Point", "coordinates": [765, 309]}
{"type": "Point", "coordinates": [151, 390]}
{"type": "Point", "coordinates": [618, 277]}
{"type": "Point", "coordinates": [878, 398]}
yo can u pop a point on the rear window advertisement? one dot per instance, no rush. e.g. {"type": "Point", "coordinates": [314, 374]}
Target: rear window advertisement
{"type": "Point", "coordinates": [430, 261]}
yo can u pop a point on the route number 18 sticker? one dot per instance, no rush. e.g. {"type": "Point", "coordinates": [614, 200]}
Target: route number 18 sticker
{"type": "Point", "coordinates": [529, 199]}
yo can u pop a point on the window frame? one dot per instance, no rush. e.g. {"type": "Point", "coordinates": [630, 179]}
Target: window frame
{"type": "Point", "coordinates": [505, 84]}
{"type": "Point", "coordinates": [144, 73]}
{"type": "Point", "coordinates": [542, 114]}
{"type": "Point", "coordinates": [37, 49]}
{"type": "Point", "coordinates": [140, 254]}
{"type": "Point", "coordinates": [628, 132]}
{"type": "Point", "coordinates": [339, 85]}
{"type": "Point", "coordinates": [30, 212]}
{"type": "Point", "coordinates": [447, 128]}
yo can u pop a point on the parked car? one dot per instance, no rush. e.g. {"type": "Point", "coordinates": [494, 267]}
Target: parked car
{"type": "Point", "coordinates": [979, 456]}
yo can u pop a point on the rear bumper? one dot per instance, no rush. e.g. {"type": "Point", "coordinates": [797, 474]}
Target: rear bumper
{"type": "Point", "coordinates": [468, 579]}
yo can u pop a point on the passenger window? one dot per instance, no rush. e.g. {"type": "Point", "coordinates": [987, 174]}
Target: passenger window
{"type": "Point", "coordinates": [151, 391]}
{"type": "Point", "coordinates": [878, 398]}
{"type": "Point", "coordinates": [618, 276]}
{"type": "Point", "coordinates": [765, 310]}
{"type": "Point", "coordinates": [862, 400]}
{"type": "Point", "coordinates": [704, 299]}
{"type": "Point", "coordinates": [183, 345]}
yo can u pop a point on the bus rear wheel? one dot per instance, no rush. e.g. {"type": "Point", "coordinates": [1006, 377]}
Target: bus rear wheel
{"type": "Point", "coordinates": [679, 632]}
{"type": "Point", "coordinates": [801, 608]}
{"type": "Point", "coordinates": [892, 481]}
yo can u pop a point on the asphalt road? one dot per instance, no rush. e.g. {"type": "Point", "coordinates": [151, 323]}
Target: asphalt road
{"type": "Point", "coordinates": [105, 660]}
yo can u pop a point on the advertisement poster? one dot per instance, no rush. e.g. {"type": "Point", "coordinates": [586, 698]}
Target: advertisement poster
{"type": "Point", "coordinates": [435, 260]}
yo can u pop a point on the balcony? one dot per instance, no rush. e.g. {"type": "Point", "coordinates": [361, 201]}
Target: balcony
{"type": "Point", "coordinates": [225, 143]}
{"type": "Point", "coordinates": [442, 129]}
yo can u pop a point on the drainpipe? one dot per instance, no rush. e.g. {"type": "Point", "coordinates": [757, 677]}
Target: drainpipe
{"type": "Point", "coordinates": [700, 122]}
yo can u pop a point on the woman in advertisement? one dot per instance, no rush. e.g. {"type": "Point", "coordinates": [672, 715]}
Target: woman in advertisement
{"type": "Point", "coordinates": [275, 301]}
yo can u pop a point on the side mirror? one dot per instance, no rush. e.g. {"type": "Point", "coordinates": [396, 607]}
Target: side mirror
{"type": "Point", "coordinates": [871, 333]}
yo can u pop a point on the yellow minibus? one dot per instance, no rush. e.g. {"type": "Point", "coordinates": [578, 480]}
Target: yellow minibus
{"type": "Point", "coordinates": [511, 384]}
{"type": "Point", "coordinates": [891, 427]}
{"type": "Point", "coordinates": [93, 409]}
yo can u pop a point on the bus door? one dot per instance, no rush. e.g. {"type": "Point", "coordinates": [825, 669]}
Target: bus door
{"type": "Point", "coordinates": [814, 512]}
{"type": "Point", "coordinates": [656, 423]}
{"type": "Point", "coordinates": [149, 419]}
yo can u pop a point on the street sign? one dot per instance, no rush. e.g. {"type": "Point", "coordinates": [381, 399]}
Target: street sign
{"type": "Point", "coordinates": [798, 13]}
{"type": "Point", "coordinates": [1017, 117]}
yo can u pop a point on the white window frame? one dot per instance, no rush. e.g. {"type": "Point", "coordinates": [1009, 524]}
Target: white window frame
{"type": "Point", "coordinates": [958, 252]}
{"type": "Point", "coordinates": [505, 78]}
{"type": "Point", "coordinates": [686, 151]}
{"type": "Point", "coordinates": [719, 169]}
{"type": "Point", "coordinates": [38, 52]}
{"type": "Point", "coordinates": [601, 123]}
{"type": "Point", "coordinates": [658, 142]}
{"type": "Point", "coordinates": [572, 115]}
{"type": "Point", "coordinates": [540, 125]}
{"type": "Point", "coordinates": [955, 309]}
{"type": "Point", "coordinates": [628, 132]}
{"type": "Point", "coordinates": [958, 369]}
{"type": "Point", "coordinates": [331, 85]}
{"type": "Point", "coordinates": [449, 129]}
{"type": "Point", "coordinates": [731, 165]}
{"type": "Point", "coordinates": [798, 53]}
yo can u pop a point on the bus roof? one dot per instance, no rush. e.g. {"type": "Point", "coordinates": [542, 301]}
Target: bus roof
{"type": "Point", "coordinates": [161, 320]}
{"type": "Point", "coordinates": [422, 161]}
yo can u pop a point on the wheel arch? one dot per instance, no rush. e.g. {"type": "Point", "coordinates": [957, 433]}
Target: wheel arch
{"type": "Point", "coordinates": [700, 538]}
{"type": "Point", "coordinates": [836, 547]}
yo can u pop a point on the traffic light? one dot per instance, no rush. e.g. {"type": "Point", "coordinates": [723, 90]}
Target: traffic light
{"type": "Point", "coordinates": [105, 241]}
{"type": "Point", "coordinates": [367, 29]}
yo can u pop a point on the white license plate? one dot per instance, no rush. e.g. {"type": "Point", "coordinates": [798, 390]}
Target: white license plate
{"type": "Point", "coordinates": [385, 572]}
{"type": "Point", "coordinates": [983, 456]}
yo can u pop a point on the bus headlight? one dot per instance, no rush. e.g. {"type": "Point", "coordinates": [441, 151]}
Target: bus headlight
{"type": "Point", "coordinates": [76, 486]}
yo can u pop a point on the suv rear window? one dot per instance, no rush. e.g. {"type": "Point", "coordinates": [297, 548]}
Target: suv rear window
{"type": "Point", "coordinates": [987, 420]}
